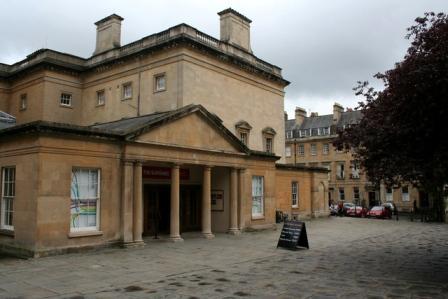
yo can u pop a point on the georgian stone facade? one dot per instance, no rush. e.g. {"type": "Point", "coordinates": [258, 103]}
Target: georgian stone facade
{"type": "Point", "coordinates": [309, 143]}
{"type": "Point", "coordinates": [143, 139]}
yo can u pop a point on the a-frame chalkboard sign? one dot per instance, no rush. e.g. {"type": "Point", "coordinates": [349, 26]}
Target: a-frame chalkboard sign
{"type": "Point", "coordinates": [293, 235]}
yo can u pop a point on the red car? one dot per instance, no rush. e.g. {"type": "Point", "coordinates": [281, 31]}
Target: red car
{"type": "Point", "coordinates": [359, 212]}
{"type": "Point", "coordinates": [379, 212]}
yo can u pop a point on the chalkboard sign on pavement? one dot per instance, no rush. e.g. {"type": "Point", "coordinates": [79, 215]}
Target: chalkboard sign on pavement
{"type": "Point", "coordinates": [293, 235]}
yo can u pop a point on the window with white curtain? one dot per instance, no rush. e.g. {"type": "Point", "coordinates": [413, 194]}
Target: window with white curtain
{"type": "Point", "coordinates": [257, 196]}
{"type": "Point", "coordinates": [85, 199]}
{"type": "Point", "coordinates": [8, 195]}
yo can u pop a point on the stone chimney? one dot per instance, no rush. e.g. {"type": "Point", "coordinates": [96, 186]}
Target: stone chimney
{"type": "Point", "coordinates": [314, 114]}
{"type": "Point", "coordinates": [108, 33]}
{"type": "Point", "coordinates": [286, 115]}
{"type": "Point", "coordinates": [300, 116]}
{"type": "Point", "coordinates": [235, 29]}
{"type": "Point", "coordinates": [337, 112]}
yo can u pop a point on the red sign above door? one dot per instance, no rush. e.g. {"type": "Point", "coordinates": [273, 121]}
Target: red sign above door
{"type": "Point", "coordinates": [163, 173]}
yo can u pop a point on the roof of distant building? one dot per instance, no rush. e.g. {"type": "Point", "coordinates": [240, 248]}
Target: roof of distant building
{"type": "Point", "coordinates": [324, 121]}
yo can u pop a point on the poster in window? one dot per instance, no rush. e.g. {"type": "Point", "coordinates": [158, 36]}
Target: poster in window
{"type": "Point", "coordinates": [217, 200]}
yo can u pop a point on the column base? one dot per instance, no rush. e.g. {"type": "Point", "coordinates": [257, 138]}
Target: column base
{"type": "Point", "coordinates": [176, 239]}
{"type": "Point", "coordinates": [208, 235]}
{"type": "Point", "coordinates": [133, 244]}
{"type": "Point", "coordinates": [234, 231]}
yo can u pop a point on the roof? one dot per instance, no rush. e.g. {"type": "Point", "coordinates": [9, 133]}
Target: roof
{"type": "Point", "coordinates": [6, 120]}
{"type": "Point", "coordinates": [324, 121]}
{"type": "Point", "coordinates": [181, 34]}
{"type": "Point", "coordinates": [128, 129]}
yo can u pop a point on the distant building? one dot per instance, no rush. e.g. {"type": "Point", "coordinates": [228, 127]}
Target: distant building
{"type": "Point", "coordinates": [309, 143]}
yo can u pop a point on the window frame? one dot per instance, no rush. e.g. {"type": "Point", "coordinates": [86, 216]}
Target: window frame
{"type": "Point", "coordinates": [289, 134]}
{"type": "Point", "coordinates": [61, 99]}
{"type": "Point", "coordinates": [404, 197]}
{"type": "Point", "coordinates": [313, 149]}
{"type": "Point", "coordinates": [23, 104]}
{"type": "Point", "coordinates": [98, 203]}
{"type": "Point", "coordinates": [325, 149]}
{"type": "Point", "coordinates": [301, 149]}
{"type": "Point", "coordinates": [258, 215]}
{"type": "Point", "coordinates": [269, 149]}
{"type": "Point", "coordinates": [156, 78]}
{"type": "Point", "coordinates": [340, 175]}
{"type": "Point", "coordinates": [103, 92]}
{"type": "Point", "coordinates": [343, 193]}
{"type": "Point", "coordinates": [123, 90]}
{"type": "Point", "coordinates": [11, 198]}
{"type": "Point", "coordinates": [295, 187]}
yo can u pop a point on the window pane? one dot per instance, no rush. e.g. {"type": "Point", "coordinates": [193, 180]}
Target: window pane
{"type": "Point", "coordinates": [257, 195]}
{"type": "Point", "coordinates": [84, 198]}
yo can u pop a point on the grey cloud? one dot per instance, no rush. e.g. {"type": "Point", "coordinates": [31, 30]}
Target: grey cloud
{"type": "Point", "coordinates": [324, 47]}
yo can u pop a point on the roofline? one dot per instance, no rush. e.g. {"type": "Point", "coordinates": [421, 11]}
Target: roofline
{"type": "Point", "coordinates": [41, 126]}
{"type": "Point", "coordinates": [88, 131]}
{"type": "Point", "coordinates": [173, 35]}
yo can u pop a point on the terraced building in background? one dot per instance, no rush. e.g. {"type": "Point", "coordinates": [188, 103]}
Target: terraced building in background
{"type": "Point", "coordinates": [309, 143]}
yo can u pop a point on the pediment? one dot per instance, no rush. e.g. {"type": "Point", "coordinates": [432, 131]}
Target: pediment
{"type": "Point", "coordinates": [192, 131]}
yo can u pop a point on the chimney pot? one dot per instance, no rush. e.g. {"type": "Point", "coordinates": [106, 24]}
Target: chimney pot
{"type": "Point", "coordinates": [108, 33]}
{"type": "Point", "coordinates": [300, 116]}
{"type": "Point", "coordinates": [337, 112]}
{"type": "Point", "coordinates": [235, 29]}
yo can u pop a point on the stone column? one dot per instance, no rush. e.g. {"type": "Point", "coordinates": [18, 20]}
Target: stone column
{"type": "Point", "coordinates": [233, 229]}
{"type": "Point", "coordinates": [126, 203]}
{"type": "Point", "coordinates": [241, 199]}
{"type": "Point", "coordinates": [206, 204]}
{"type": "Point", "coordinates": [138, 203]}
{"type": "Point", "coordinates": [175, 205]}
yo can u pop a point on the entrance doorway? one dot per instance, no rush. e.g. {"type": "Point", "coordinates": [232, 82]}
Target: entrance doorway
{"type": "Point", "coordinates": [372, 198]}
{"type": "Point", "coordinates": [157, 207]}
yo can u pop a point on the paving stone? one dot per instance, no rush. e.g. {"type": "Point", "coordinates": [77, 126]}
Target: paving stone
{"type": "Point", "coordinates": [348, 258]}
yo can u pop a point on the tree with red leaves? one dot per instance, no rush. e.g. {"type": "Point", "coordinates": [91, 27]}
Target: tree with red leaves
{"type": "Point", "coordinates": [403, 135]}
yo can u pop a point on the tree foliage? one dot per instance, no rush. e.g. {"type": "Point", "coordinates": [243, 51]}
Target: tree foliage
{"type": "Point", "coordinates": [403, 135]}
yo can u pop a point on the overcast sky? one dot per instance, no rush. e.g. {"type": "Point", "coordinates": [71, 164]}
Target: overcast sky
{"type": "Point", "coordinates": [323, 47]}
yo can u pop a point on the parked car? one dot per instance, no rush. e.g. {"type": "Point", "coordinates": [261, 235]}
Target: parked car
{"type": "Point", "coordinates": [379, 212]}
{"type": "Point", "coordinates": [357, 212]}
{"type": "Point", "coordinates": [346, 206]}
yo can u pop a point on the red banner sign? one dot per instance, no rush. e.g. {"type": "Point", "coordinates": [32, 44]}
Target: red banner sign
{"type": "Point", "coordinates": [163, 173]}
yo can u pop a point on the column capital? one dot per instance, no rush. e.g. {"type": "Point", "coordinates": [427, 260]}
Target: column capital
{"type": "Point", "coordinates": [175, 165]}
{"type": "Point", "coordinates": [242, 170]}
{"type": "Point", "coordinates": [138, 162]}
{"type": "Point", "coordinates": [127, 162]}
{"type": "Point", "coordinates": [207, 167]}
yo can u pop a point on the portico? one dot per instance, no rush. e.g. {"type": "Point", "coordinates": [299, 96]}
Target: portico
{"type": "Point", "coordinates": [199, 176]}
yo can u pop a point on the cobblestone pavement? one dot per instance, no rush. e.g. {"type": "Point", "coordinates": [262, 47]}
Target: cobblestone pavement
{"type": "Point", "coordinates": [356, 258]}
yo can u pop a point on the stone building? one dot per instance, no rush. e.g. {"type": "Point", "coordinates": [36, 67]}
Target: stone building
{"type": "Point", "coordinates": [309, 143]}
{"type": "Point", "coordinates": [175, 132]}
